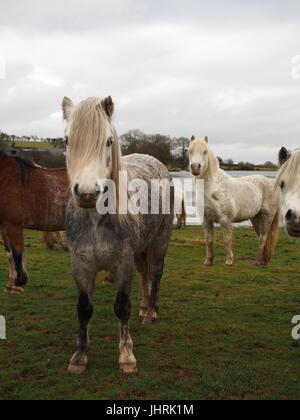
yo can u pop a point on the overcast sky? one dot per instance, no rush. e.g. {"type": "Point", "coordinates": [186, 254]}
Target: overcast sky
{"type": "Point", "coordinates": [217, 68]}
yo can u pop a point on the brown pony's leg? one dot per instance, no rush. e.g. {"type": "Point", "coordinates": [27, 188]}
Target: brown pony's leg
{"type": "Point", "coordinates": [48, 240]}
{"type": "Point", "coordinates": [144, 282]}
{"type": "Point", "coordinates": [61, 237]}
{"type": "Point", "coordinates": [179, 221]}
{"type": "Point", "coordinates": [12, 268]}
{"type": "Point", "coordinates": [15, 237]}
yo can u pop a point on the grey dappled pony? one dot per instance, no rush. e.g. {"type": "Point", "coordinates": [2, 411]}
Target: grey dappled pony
{"type": "Point", "coordinates": [118, 242]}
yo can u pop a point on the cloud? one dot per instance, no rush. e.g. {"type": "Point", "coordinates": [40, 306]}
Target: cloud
{"type": "Point", "coordinates": [202, 69]}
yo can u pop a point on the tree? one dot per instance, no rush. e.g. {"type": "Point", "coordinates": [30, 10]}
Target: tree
{"type": "Point", "coordinates": [269, 165]}
{"type": "Point", "coordinates": [229, 162]}
{"type": "Point", "coordinates": [180, 146]}
{"type": "Point", "coordinates": [58, 143]}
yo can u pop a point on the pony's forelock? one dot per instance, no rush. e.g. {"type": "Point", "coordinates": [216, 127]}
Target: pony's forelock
{"type": "Point", "coordinates": [290, 171]}
{"type": "Point", "coordinates": [89, 130]}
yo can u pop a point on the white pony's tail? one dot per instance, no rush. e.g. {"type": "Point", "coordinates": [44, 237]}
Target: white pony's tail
{"type": "Point", "coordinates": [272, 238]}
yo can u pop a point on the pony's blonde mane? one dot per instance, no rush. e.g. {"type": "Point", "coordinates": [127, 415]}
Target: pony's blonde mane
{"type": "Point", "coordinates": [213, 164]}
{"type": "Point", "coordinates": [90, 129]}
{"type": "Point", "coordinates": [290, 170]}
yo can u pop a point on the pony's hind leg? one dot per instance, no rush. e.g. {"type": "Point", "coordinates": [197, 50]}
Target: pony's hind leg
{"type": "Point", "coordinates": [123, 278]}
{"type": "Point", "coordinates": [61, 237]}
{"type": "Point", "coordinates": [179, 221]}
{"type": "Point", "coordinates": [17, 260]}
{"type": "Point", "coordinates": [85, 281]}
{"type": "Point", "coordinates": [141, 263]}
{"type": "Point", "coordinates": [227, 232]}
{"type": "Point", "coordinates": [47, 238]}
{"type": "Point", "coordinates": [262, 225]}
{"type": "Point", "coordinates": [209, 239]}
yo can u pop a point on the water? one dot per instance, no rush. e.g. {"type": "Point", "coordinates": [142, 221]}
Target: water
{"type": "Point", "coordinates": [185, 175]}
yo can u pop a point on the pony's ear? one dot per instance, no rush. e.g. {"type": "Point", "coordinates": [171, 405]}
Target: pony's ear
{"type": "Point", "coordinates": [108, 106]}
{"type": "Point", "coordinates": [67, 106]}
{"type": "Point", "coordinates": [284, 155]}
{"type": "Point", "coordinates": [206, 139]}
{"type": "Point", "coordinates": [193, 138]}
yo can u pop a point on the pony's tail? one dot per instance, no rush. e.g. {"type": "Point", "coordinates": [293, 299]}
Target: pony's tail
{"type": "Point", "coordinates": [272, 238]}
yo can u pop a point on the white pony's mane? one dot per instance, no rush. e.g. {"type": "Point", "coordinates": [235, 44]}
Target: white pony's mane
{"type": "Point", "coordinates": [290, 170]}
{"type": "Point", "coordinates": [213, 164]}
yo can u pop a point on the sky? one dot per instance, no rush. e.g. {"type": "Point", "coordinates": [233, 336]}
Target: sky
{"type": "Point", "coordinates": [229, 70]}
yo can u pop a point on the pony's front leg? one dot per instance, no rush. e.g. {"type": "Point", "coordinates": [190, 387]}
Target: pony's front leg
{"type": "Point", "coordinates": [127, 360]}
{"type": "Point", "coordinates": [208, 228]}
{"type": "Point", "coordinates": [85, 281]}
{"type": "Point", "coordinates": [14, 243]}
{"type": "Point", "coordinates": [12, 268]}
{"type": "Point", "coordinates": [227, 232]}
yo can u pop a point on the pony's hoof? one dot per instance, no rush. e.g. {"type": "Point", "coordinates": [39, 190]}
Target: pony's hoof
{"type": "Point", "coordinates": [78, 364]}
{"type": "Point", "coordinates": [208, 263]}
{"type": "Point", "coordinates": [8, 289]}
{"type": "Point", "coordinates": [260, 264]}
{"type": "Point", "coordinates": [17, 290]}
{"type": "Point", "coordinates": [229, 263]}
{"type": "Point", "coordinates": [148, 321]}
{"type": "Point", "coordinates": [142, 313]}
{"type": "Point", "coordinates": [76, 369]}
{"type": "Point", "coordinates": [128, 367]}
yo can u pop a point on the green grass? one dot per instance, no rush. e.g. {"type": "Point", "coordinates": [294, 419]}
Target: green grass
{"type": "Point", "coordinates": [223, 333]}
{"type": "Point", "coordinates": [33, 145]}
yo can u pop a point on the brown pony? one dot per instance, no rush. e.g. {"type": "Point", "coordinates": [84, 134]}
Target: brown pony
{"type": "Point", "coordinates": [31, 197]}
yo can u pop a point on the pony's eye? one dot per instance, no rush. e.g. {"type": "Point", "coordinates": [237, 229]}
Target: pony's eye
{"type": "Point", "coordinates": [67, 140]}
{"type": "Point", "coordinates": [205, 152]}
{"type": "Point", "coordinates": [282, 185]}
{"type": "Point", "coordinates": [109, 142]}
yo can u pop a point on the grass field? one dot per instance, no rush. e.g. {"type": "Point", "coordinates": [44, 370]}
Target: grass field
{"type": "Point", "coordinates": [223, 333]}
{"type": "Point", "coordinates": [33, 145]}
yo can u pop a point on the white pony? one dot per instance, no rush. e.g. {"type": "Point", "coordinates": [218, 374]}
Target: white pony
{"type": "Point", "coordinates": [180, 207]}
{"type": "Point", "coordinates": [228, 200]}
{"type": "Point", "coordinates": [288, 183]}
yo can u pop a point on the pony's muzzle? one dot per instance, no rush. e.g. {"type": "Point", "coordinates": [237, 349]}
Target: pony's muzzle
{"type": "Point", "coordinates": [87, 200]}
{"type": "Point", "coordinates": [292, 221]}
{"type": "Point", "coordinates": [196, 169]}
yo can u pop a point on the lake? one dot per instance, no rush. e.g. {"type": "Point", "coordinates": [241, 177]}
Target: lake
{"type": "Point", "coordinates": [185, 175]}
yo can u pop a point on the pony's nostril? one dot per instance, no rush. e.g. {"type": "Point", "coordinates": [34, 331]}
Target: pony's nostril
{"type": "Point", "coordinates": [97, 190]}
{"type": "Point", "coordinates": [76, 190]}
{"type": "Point", "coordinates": [196, 167]}
{"type": "Point", "coordinates": [289, 215]}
